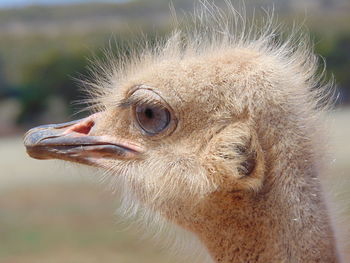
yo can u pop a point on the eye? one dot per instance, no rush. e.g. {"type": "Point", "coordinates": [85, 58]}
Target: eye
{"type": "Point", "coordinates": [152, 119]}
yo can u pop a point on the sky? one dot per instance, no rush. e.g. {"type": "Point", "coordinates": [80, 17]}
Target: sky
{"type": "Point", "coordinates": [19, 3]}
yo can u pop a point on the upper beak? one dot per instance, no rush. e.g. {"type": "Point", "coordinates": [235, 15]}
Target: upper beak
{"type": "Point", "coordinates": [72, 141]}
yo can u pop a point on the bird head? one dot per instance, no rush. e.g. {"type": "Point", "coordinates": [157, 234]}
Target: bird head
{"type": "Point", "coordinates": [174, 132]}
{"type": "Point", "coordinates": [181, 124]}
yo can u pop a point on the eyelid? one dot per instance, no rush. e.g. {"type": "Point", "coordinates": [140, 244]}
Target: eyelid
{"type": "Point", "coordinates": [147, 97]}
{"type": "Point", "coordinates": [130, 102]}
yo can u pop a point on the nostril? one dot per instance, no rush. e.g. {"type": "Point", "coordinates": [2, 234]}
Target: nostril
{"type": "Point", "coordinates": [83, 128]}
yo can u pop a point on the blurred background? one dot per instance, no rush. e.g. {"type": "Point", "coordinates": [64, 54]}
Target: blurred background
{"type": "Point", "coordinates": [53, 212]}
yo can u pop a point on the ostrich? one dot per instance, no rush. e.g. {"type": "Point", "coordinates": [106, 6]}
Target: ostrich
{"type": "Point", "coordinates": [217, 130]}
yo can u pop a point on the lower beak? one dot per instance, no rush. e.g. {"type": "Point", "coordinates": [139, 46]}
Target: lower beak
{"type": "Point", "coordinates": [71, 142]}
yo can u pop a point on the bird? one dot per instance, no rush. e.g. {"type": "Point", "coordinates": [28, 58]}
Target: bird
{"type": "Point", "coordinates": [216, 129]}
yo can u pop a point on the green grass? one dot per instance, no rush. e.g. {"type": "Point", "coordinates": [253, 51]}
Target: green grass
{"type": "Point", "coordinates": [70, 222]}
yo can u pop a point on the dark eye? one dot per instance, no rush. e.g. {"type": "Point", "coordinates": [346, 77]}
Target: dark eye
{"type": "Point", "coordinates": [152, 119]}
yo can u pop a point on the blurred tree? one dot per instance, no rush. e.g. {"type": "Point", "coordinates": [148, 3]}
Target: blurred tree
{"type": "Point", "coordinates": [336, 52]}
{"type": "Point", "coordinates": [50, 75]}
{"type": "Point", "coordinates": [3, 81]}
{"type": "Point", "coordinates": [339, 59]}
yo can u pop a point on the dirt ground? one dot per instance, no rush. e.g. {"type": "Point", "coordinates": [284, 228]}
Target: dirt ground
{"type": "Point", "coordinates": [53, 212]}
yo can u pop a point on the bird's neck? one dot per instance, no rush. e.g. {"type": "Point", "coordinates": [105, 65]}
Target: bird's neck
{"type": "Point", "coordinates": [286, 222]}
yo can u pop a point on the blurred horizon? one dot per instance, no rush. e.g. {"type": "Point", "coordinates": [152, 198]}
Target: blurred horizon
{"type": "Point", "coordinates": [26, 3]}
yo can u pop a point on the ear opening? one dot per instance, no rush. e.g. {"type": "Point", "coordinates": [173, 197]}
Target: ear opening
{"type": "Point", "coordinates": [247, 165]}
{"type": "Point", "coordinates": [234, 158]}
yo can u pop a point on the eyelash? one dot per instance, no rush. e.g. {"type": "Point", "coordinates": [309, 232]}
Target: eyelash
{"type": "Point", "coordinates": [133, 102]}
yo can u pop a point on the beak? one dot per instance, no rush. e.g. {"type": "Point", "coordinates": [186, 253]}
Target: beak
{"type": "Point", "coordinates": [72, 141]}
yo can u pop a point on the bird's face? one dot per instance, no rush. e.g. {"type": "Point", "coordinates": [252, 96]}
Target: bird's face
{"type": "Point", "coordinates": [172, 135]}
